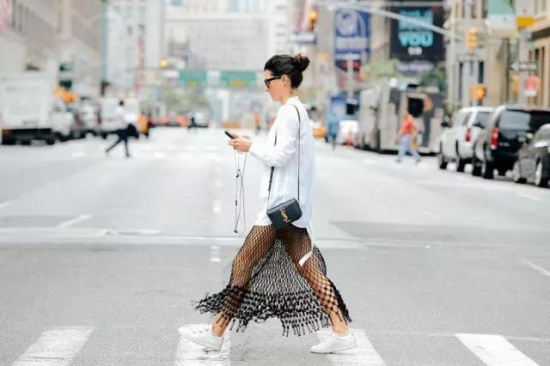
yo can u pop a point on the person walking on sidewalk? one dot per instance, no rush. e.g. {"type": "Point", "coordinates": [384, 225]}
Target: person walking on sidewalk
{"type": "Point", "coordinates": [279, 272]}
{"type": "Point", "coordinates": [406, 138]}
{"type": "Point", "coordinates": [333, 128]}
{"type": "Point", "coordinates": [122, 130]}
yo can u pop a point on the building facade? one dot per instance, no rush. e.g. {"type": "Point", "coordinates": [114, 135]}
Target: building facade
{"type": "Point", "coordinates": [221, 35]}
{"type": "Point", "coordinates": [540, 51]}
{"type": "Point", "coordinates": [135, 45]}
{"type": "Point", "coordinates": [29, 41]}
{"type": "Point", "coordinates": [79, 45]}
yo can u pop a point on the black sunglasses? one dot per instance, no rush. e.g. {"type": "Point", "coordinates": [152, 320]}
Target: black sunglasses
{"type": "Point", "coordinates": [268, 81]}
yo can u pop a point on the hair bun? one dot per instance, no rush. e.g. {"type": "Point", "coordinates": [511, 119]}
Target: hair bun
{"type": "Point", "coordinates": [301, 62]}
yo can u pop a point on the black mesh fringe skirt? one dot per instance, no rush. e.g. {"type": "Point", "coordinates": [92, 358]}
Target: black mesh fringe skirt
{"type": "Point", "coordinates": [267, 282]}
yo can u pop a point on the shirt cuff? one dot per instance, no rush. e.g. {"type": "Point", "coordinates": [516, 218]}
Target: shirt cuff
{"type": "Point", "coordinates": [255, 149]}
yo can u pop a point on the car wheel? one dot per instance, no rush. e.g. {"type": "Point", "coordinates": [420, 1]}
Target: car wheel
{"type": "Point", "coordinates": [540, 180]}
{"type": "Point", "coordinates": [476, 166]}
{"type": "Point", "coordinates": [441, 159]}
{"type": "Point", "coordinates": [50, 141]}
{"type": "Point", "coordinates": [487, 170]}
{"type": "Point", "coordinates": [516, 174]}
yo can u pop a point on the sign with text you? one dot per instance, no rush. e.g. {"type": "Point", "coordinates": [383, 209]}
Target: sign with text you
{"type": "Point", "coordinates": [410, 42]}
{"type": "Point", "coordinates": [352, 38]}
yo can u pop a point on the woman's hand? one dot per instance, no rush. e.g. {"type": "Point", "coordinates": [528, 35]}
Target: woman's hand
{"type": "Point", "coordinates": [241, 143]}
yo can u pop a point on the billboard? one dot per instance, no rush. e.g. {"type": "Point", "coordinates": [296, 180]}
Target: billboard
{"type": "Point", "coordinates": [351, 38]}
{"type": "Point", "coordinates": [413, 44]}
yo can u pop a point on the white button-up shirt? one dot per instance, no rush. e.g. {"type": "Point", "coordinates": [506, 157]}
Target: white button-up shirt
{"type": "Point", "coordinates": [284, 157]}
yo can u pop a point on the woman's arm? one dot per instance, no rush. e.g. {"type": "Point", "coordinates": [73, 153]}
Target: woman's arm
{"type": "Point", "coordinates": [287, 136]}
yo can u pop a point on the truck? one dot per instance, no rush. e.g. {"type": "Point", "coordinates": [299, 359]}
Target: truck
{"type": "Point", "coordinates": [29, 110]}
{"type": "Point", "coordinates": [382, 108]}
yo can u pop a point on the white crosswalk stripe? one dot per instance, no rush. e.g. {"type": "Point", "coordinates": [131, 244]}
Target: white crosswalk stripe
{"type": "Point", "coordinates": [364, 354]}
{"type": "Point", "coordinates": [56, 347]}
{"type": "Point", "coordinates": [495, 350]}
{"type": "Point", "coordinates": [191, 354]}
{"type": "Point", "coordinates": [60, 346]}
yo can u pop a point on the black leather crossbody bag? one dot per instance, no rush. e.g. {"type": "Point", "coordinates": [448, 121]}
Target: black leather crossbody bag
{"type": "Point", "coordinates": [289, 211]}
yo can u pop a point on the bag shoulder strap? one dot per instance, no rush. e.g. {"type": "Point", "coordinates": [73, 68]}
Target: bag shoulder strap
{"type": "Point", "coordinates": [299, 156]}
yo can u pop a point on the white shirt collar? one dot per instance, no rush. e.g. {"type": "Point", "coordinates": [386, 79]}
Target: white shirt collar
{"type": "Point", "coordinates": [292, 99]}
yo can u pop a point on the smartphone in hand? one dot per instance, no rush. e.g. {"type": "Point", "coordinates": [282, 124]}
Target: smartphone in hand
{"type": "Point", "coordinates": [230, 135]}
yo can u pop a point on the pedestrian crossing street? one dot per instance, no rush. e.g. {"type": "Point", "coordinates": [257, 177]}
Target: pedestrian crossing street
{"type": "Point", "coordinates": [62, 346]}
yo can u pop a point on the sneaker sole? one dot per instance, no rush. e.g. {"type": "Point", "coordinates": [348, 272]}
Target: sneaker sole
{"type": "Point", "coordinates": [205, 345]}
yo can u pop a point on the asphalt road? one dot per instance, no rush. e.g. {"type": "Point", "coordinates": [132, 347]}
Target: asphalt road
{"type": "Point", "coordinates": [100, 257]}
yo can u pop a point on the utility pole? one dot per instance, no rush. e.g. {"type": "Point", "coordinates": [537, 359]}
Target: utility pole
{"type": "Point", "coordinates": [523, 56]}
{"type": "Point", "coordinates": [466, 65]}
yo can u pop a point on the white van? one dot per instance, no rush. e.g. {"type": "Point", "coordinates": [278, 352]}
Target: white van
{"type": "Point", "coordinates": [30, 111]}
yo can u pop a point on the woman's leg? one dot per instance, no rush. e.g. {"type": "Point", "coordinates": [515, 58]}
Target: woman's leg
{"type": "Point", "coordinates": [256, 245]}
{"type": "Point", "coordinates": [297, 244]}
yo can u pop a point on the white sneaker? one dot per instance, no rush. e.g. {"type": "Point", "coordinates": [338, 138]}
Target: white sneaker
{"type": "Point", "coordinates": [335, 343]}
{"type": "Point", "coordinates": [202, 337]}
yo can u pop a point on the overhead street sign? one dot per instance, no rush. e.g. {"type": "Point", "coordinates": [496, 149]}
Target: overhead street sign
{"type": "Point", "coordinates": [523, 66]}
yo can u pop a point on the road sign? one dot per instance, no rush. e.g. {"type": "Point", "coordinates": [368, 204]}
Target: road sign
{"type": "Point", "coordinates": [523, 66]}
{"type": "Point", "coordinates": [192, 78]}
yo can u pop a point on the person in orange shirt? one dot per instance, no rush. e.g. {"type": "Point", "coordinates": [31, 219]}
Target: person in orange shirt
{"type": "Point", "coordinates": [406, 136]}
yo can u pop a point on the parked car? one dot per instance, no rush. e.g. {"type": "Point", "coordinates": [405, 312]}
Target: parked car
{"type": "Point", "coordinates": [107, 112]}
{"type": "Point", "coordinates": [498, 144]}
{"type": "Point", "coordinates": [88, 116]}
{"type": "Point", "coordinates": [78, 130]}
{"type": "Point", "coordinates": [456, 139]}
{"type": "Point", "coordinates": [533, 163]}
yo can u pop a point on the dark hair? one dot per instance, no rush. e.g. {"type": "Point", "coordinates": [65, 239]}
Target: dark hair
{"type": "Point", "coordinates": [288, 65]}
{"type": "Point", "coordinates": [121, 103]}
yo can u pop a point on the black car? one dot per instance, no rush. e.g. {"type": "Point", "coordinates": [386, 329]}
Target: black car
{"type": "Point", "coordinates": [498, 143]}
{"type": "Point", "coordinates": [533, 162]}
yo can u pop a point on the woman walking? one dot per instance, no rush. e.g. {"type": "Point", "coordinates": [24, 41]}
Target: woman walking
{"type": "Point", "coordinates": [278, 272]}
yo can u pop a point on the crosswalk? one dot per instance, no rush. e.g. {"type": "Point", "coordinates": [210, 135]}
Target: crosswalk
{"type": "Point", "coordinates": [61, 346]}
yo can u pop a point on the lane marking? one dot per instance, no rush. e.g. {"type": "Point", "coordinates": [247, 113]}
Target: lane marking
{"type": "Point", "coordinates": [528, 196]}
{"type": "Point", "coordinates": [536, 267]}
{"type": "Point", "coordinates": [5, 204]}
{"type": "Point", "coordinates": [56, 347]}
{"type": "Point", "coordinates": [67, 224]}
{"type": "Point", "coordinates": [363, 354]}
{"type": "Point", "coordinates": [217, 207]}
{"type": "Point", "coordinates": [495, 350]}
{"type": "Point", "coordinates": [191, 354]}
{"type": "Point", "coordinates": [215, 254]}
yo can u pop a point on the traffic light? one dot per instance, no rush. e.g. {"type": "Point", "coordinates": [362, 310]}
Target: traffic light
{"type": "Point", "coordinates": [163, 63]}
{"type": "Point", "coordinates": [312, 20]}
{"type": "Point", "coordinates": [471, 39]}
{"type": "Point", "coordinates": [478, 92]}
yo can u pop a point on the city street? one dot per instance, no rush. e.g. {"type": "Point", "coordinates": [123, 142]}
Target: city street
{"type": "Point", "coordinates": [101, 256]}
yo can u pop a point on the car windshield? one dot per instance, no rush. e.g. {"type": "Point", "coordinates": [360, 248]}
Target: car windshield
{"type": "Point", "coordinates": [524, 120]}
{"type": "Point", "coordinates": [482, 118]}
